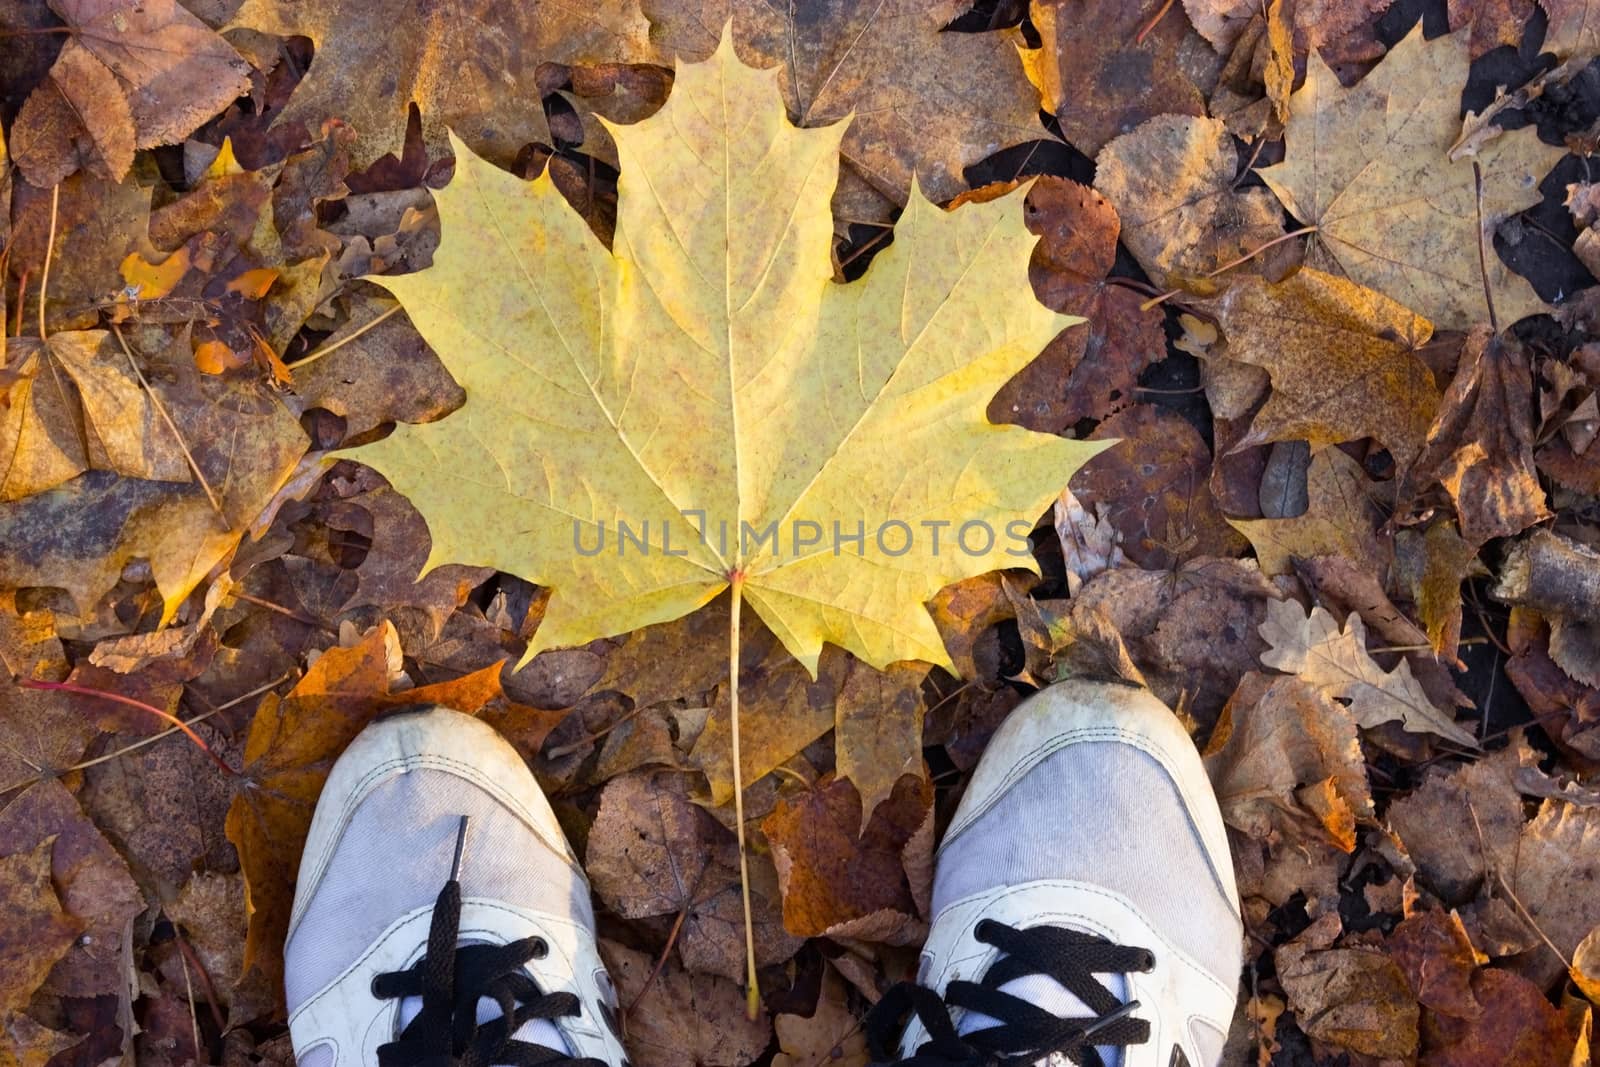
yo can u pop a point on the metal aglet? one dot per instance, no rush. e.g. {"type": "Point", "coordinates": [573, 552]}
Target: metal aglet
{"type": "Point", "coordinates": [461, 844]}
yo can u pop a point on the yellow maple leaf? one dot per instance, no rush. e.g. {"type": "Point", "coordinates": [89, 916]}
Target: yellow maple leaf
{"type": "Point", "coordinates": [1370, 167]}
{"type": "Point", "coordinates": [701, 406]}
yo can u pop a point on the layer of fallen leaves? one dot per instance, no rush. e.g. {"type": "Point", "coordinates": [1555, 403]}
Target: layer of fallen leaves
{"type": "Point", "coordinates": [1348, 526]}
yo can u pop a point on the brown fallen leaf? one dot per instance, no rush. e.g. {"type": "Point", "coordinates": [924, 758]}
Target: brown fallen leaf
{"type": "Point", "coordinates": [1172, 182]}
{"type": "Point", "coordinates": [1432, 567]}
{"type": "Point", "coordinates": [1285, 760]}
{"type": "Point", "coordinates": [95, 887]}
{"type": "Point", "coordinates": [1518, 1025]}
{"type": "Point", "coordinates": [1341, 519]}
{"type": "Point", "coordinates": [79, 404]}
{"type": "Point", "coordinates": [131, 75]}
{"type": "Point", "coordinates": [652, 851]}
{"type": "Point", "coordinates": [1341, 358]}
{"type": "Point", "coordinates": [781, 711]}
{"type": "Point", "coordinates": [681, 1019]}
{"type": "Point", "coordinates": [42, 732]}
{"type": "Point", "coordinates": [1353, 997]}
{"type": "Point", "coordinates": [925, 102]}
{"type": "Point", "coordinates": [290, 749]}
{"type": "Point", "coordinates": [1434, 951]}
{"type": "Point", "coordinates": [1460, 822]}
{"type": "Point", "coordinates": [1336, 661]}
{"type": "Point", "coordinates": [469, 65]}
{"type": "Point", "coordinates": [1193, 633]}
{"type": "Point", "coordinates": [244, 442]}
{"type": "Point", "coordinates": [1106, 66]}
{"type": "Point", "coordinates": [29, 1044]}
{"type": "Point", "coordinates": [831, 1034]}
{"type": "Point", "coordinates": [877, 723]}
{"type": "Point", "coordinates": [1585, 969]}
{"type": "Point", "coordinates": [1360, 164]}
{"type": "Point", "coordinates": [386, 374]}
{"type": "Point", "coordinates": [1493, 22]}
{"type": "Point", "coordinates": [1573, 29]}
{"type": "Point", "coordinates": [38, 933]}
{"type": "Point", "coordinates": [1557, 860]}
{"type": "Point", "coordinates": [1093, 370]}
{"type": "Point", "coordinates": [1341, 30]}
{"type": "Point", "coordinates": [210, 914]}
{"type": "Point", "coordinates": [1480, 446]}
{"type": "Point", "coordinates": [1153, 486]}
{"type": "Point", "coordinates": [966, 613]}
{"type": "Point", "coordinates": [834, 871]}
{"type": "Point", "coordinates": [98, 222]}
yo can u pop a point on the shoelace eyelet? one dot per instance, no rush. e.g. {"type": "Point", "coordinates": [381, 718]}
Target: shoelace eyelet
{"type": "Point", "coordinates": [541, 948]}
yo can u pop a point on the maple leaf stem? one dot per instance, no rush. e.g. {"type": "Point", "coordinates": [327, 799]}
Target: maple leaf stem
{"type": "Point", "coordinates": [752, 990]}
{"type": "Point", "coordinates": [49, 247]}
{"type": "Point", "coordinates": [1483, 254]}
{"type": "Point", "coordinates": [1151, 23]}
{"type": "Point", "coordinates": [1232, 263]}
{"type": "Point", "coordinates": [301, 364]}
{"type": "Point", "coordinates": [117, 698]}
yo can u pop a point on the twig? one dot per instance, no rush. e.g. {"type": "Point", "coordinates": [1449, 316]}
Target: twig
{"type": "Point", "coordinates": [589, 739]}
{"type": "Point", "coordinates": [1483, 259]}
{"type": "Point", "coordinates": [205, 980]}
{"type": "Point", "coordinates": [1152, 23]}
{"type": "Point", "coordinates": [22, 297]}
{"type": "Point", "coordinates": [188, 989]}
{"type": "Point", "coordinates": [341, 342]}
{"type": "Point", "coordinates": [202, 717]}
{"type": "Point", "coordinates": [1247, 257]}
{"type": "Point", "coordinates": [49, 248]}
{"type": "Point", "coordinates": [752, 991]}
{"type": "Point", "coordinates": [661, 961]}
{"type": "Point", "coordinates": [161, 410]}
{"type": "Point", "coordinates": [118, 698]}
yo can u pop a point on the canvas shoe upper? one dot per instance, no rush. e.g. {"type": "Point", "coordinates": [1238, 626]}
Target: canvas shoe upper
{"type": "Point", "coordinates": [1084, 906]}
{"type": "Point", "coordinates": [391, 960]}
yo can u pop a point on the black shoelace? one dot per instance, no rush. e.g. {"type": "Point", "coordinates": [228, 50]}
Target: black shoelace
{"type": "Point", "coordinates": [451, 981]}
{"type": "Point", "coordinates": [1024, 1032]}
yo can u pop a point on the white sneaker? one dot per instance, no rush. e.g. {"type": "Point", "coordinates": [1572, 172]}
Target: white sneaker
{"type": "Point", "coordinates": [440, 917]}
{"type": "Point", "coordinates": [1084, 902]}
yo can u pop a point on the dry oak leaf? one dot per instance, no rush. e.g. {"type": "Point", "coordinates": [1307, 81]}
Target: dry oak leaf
{"type": "Point", "coordinates": [1493, 22]}
{"type": "Point", "coordinates": [1574, 28]}
{"type": "Point", "coordinates": [37, 933]}
{"type": "Point", "coordinates": [1585, 969]}
{"type": "Point", "coordinates": [925, 102]}
{"type": "Point", "coordinates": [131, 75]}
{"type": "Point", "coordinates": [1370, 168]}
{"type": "Point", "coordinates": [288, 753]}
{"type": "Point", "coordinates": [1172, 182]}
{"type": "Point", "coordinates": [1342, 359]}
{"type": "Point", "coordinates": [1108, 65]}
{"type": "Point", "coordinates": [468, 65]}
{"type": "Point", "coordinates": [1481, 444]}
{"type": "Point", "coordinates": [704, 385]}
{"type": "Point", "coordinates": [1336, 662]}
{"type": "Point", "coordinates": [1437, 956]}
{"type": "Point", "coordinates": [1093, 371]}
